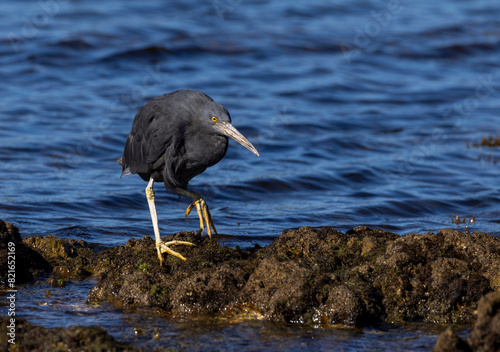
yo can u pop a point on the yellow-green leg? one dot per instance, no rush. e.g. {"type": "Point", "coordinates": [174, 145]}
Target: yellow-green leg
{"type": "Point", "coordinates": [161, 247]}
{"type": "Point", "coordinates": [201, 209]}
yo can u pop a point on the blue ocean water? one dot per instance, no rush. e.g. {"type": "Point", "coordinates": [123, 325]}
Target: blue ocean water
{"type": "Point", "coordinates": [364, 113]}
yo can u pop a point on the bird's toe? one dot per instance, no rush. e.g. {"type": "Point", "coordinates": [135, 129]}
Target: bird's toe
{"type": "Point", "coordinates": [204, 215]}
{"type": "Point", "coordinates": [163, 247]}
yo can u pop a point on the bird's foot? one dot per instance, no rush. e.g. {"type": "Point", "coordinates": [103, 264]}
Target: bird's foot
{"type": "Point", "coordinates": [203, 214]}
{"type": "Point", "coordinates": [163, 247]}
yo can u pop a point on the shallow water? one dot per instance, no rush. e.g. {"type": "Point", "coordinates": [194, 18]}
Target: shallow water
{"type": "Point", "coordinates": [363, 113]}
{"type": "Point", "coordinates": [149, 331]}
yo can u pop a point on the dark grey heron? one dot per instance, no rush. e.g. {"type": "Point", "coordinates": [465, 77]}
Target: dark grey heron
{"type": "Point", "coordinates": [175, 137]}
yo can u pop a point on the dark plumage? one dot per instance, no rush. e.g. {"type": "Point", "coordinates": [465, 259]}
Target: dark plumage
{"type": "Point", "coordinates": [175, 137]}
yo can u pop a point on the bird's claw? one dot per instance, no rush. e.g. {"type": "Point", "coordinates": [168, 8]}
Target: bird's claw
{"type": "Point", "coordinates": [203, 214]}
{"type": "Point", "coordinates": [163, 247]}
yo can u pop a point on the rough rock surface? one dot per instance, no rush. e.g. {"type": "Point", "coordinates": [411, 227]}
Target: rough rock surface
{"type": "Point", "coordinates": [207, 283]}
{"type": "Point", "coordinates": [318, 276]}
{"type": "Point", "coordinates": [37, 256]}
{"type": "Point", "coordinates": [449, 342]}
{"type": "Point", "coordinates": [12, 248]}
{"type": "Point", "coordinates": [486, 333]}
{"type": "Point", "coordinates": [484, 337]}
{"type": "Point", "coordinates": [310, 275]}
{"type": "Point", "coordinates": [306, 275]}
{"type": "Point", "coordinates": [28, 337]}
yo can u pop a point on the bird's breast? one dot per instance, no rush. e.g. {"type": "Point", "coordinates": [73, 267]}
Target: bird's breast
{"type": "Point", "coordinates": [201, 153]}
{"type": "Point", "coordinates": [207, 150]}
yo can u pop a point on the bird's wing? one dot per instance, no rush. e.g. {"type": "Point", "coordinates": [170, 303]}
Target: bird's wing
{"type": "Point", "coordinates": [151, 135]}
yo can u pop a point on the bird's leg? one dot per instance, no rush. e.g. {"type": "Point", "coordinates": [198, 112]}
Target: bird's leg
{"type": "Point", "coordinates": [198, 210]}
{"type": "Point", "coordinates": [203, 214]}
{"type": "Point", "coordinates": [161, 247]}
{"type": "Point", "coordinates": [201, 209]}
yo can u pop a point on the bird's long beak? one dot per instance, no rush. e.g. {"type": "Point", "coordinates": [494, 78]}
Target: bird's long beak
{"type": "Point", "coordinates": [232, 132]}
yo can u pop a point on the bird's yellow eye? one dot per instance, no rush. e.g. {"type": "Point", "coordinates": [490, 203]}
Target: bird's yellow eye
{"type": "Point", "coordinates": [214, 119]}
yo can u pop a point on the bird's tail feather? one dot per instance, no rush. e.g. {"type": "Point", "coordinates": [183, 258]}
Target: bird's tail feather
{"type": "Point", "coordinates": [126, 170]}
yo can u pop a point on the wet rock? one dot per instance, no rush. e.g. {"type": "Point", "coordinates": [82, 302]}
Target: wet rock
{"type": "Point", "coordinates": [357, 278]}
{"type": "Point", "coordinates": [455, 285]}
{"type": "Point", "coordinates": [281, 291]}
{"type": "Point", "coordinates": [9, 232]}
{"type": "Point", "coordinates": [354, 303]}
{"type": "Point", "coordinates": [436, 277]}
{"type": "Point", "coordinates": [130, 277]}
{"type": "Point", "coordinates": [343, 306]}
{"type": "Point", "coordinates": [18, 262]}
{"type": "Point", "coordinates": [449, 342]}
{"type": "Point", "coordinates": [208, 291]}
{"type": "Point", "coordinates": [207, 283]}
{"type": "Point", "coordinates": [485, 335]}
{"type": "Point", "coordinates": [309, 275]}
{"type": "Point", "coordinates": [39, 256]}
{"type": "Point", "coordinates": [29, 337]}
{"type": "Point", "coordinates": [69, 259]}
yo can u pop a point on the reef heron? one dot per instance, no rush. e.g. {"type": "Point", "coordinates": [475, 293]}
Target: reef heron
{"type": "Point", "coordinates": [175, 137]}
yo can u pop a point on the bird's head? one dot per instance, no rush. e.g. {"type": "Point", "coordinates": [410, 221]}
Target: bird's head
{"type": "Point", "coordinates": [217, 117]}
